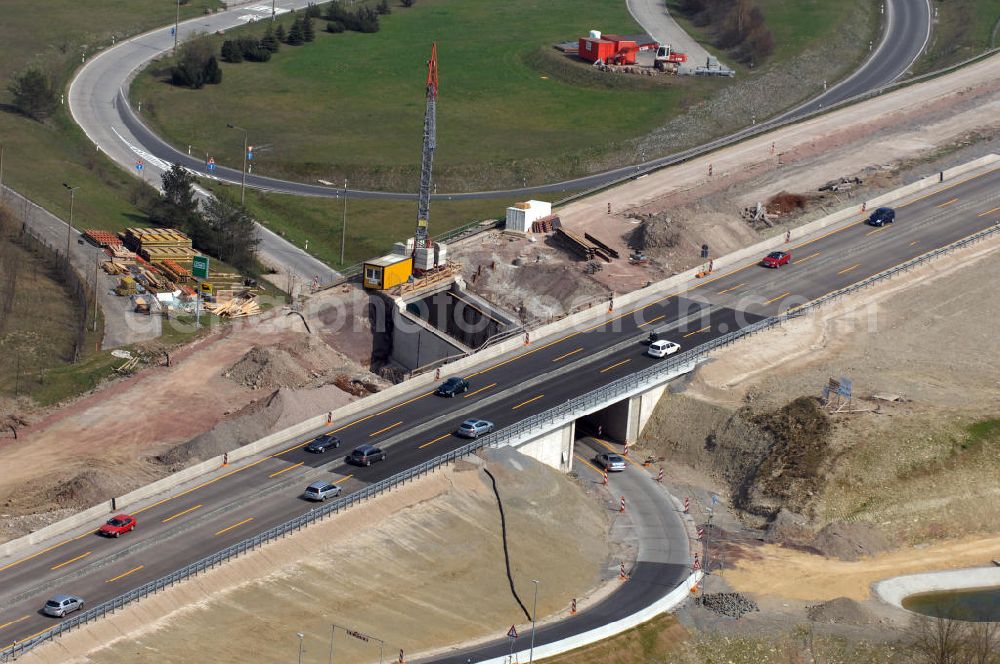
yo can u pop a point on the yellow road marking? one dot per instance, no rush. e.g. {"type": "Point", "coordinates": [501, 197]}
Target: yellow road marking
{"type": "Point", "coordinates": [615, 365]}
{"type": "Point", "coordinates": [803, 260]}
{"type": "Point", "coordinates": [587, 463]}
{"type": "Point", "coordinates": [235, 525]}
{"type": "Point", "coordinates": [28, 638]}
{"type": "Point", "coordinates": [190, 509]}
{"type": "Point", "coordinates": [285, 470]}
{"type": "Point", "coordinates": [732, 288]}
{"type": "Point", "coordinates": [654, 320]}
{"type": "Point", "coordinates": [877, 230]}
{"type": "Point", "coordinates": [691, 334]}
{"type": "Point", "coordinates": [344, 478]}
{"type": "Point", "coordinates": [525, 403]}
{"type": "Point", "coordinates": [983, 214]}
{"type": "Point", "coordinates": [848, 269]}
{"type": "Point", "coordinates": [391, 426]}
{"type": "Point", "coordinates": [431, 442]}
{"type": "Point", "coordinates": [947, 203]}
{"type": "Point", "coordinates": [914, 242]}
{"type": "Point", "coordinates": [72, 560]}
{"type": "Point", "coordinates": [472, 394]}
{"type": "Point", "coordinates": [572, 352]}
{"type": "Point", "coordinates": [122, 576]}
{"type": "Point", "coordinates": [775, 299]}
{"type": "Point", "coordinates": [13, 622]}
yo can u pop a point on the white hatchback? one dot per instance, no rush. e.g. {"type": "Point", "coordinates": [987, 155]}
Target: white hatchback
{"type": "Point", "coordinates": [662, 348]}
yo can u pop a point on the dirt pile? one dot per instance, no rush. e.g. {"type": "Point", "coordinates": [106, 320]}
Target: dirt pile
{"type": "Point", "coordinates": [276, 411]}
{"type": "Point", "coordinates": [655, 232]}
{"type": "Point", "coordinates": [785, 203]}
{"type": "Point", "coordinates": [840, 611]}
{"type": "Point", "coordinates": [851, 541]}
{"type": "Point", "coordinates": [286, 365]}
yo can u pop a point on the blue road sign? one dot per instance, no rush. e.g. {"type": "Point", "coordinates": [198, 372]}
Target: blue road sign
{"type": "Point", "coordinates": [139, 166]}
{"type": "Point", "coordinates": [211, 163]}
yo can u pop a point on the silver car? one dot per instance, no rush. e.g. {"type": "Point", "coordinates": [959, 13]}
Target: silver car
{"type": "Point", "coordinates": [473, 428]}
{"type": "Point", "coordinates": [610, 462]}
{"type": "Point", "coordinates": [321, 491]}
{"type": "Point", "coordinates": [60, 605]}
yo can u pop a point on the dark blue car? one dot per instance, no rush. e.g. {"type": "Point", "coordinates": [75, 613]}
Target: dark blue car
{"type": "Point", "coordinates": [882, 216]}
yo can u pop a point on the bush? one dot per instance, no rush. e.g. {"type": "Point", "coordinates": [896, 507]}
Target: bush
{"type": "Point", "coordinates": [335, 27]}
{"type": "Point", "coordinates": [34, 94]}
{"type": "Point", "coordinates": [196, 66]}
{"type": "Point", "coordinates": [382, 8]}
{"type": "Point", "coordinates": [407, 3]}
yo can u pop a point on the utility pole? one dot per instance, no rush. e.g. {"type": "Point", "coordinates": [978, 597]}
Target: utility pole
{"type": "Point", "coordinates": [243, 186]}
{"type": "Point", "coordinates": [534, 615]}
{"type": "Point", "coordinates": [97, 263]}
{"type": "Point", "coordinates": [69, 229]}
{"type": "Point", "coordinates": [301, 637]}
{"type": "Point", "coordinates": [343, 227]}
{"type": "Point", "coordinates": [177, 24]}
{"type": "Point", "coordinates": [333, 633]}
{"type": "Point", "coordinates": [1, 171]}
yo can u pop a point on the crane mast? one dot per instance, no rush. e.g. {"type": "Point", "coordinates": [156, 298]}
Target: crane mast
{"type": "Point", "coordinates": [421, 240]}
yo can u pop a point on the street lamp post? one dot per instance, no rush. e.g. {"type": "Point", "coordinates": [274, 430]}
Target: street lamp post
{"type": "Point", "coordinates": [301, 636]}
{"type": "Point", "coordinates": [243, 186]}
{"type": "Point", "coordinates": [343, 228]}
{"type": "Point", "coordinates": [69, 230]}
{"type": "Point", "coordinates": [534, 615]}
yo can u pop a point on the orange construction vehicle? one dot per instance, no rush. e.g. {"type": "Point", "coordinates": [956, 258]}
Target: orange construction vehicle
{"type": "Point", "coordinates": [667, 58]}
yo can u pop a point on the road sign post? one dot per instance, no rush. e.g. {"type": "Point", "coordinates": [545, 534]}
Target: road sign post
{"type": "Point", "coordinates": [512, 637]}
{"type": "Point", "coordinates": [199, 267]}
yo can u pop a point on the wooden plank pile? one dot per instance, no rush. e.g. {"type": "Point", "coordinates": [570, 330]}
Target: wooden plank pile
{"type": "Point", "coordinates": [545, 224]}
{"type": "Point", "coordinates": [244, 304]}
{"type": "Point", "coordinates": [119, 254]}
{"type": "Point", "coordinates": [582, 247]}
{"type": "Point", "coordinates": [175, 272]}
{"type": "Point", "coordinates": [160, 244]}
{"type": "Point", "coordinates": [603, 247]}
{"type": "Point", "coordinates": [102, 238]}
{"type": "Point", "coordinates": [112, 267]}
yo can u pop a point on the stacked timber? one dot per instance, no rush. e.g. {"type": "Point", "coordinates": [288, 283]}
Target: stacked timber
{"type": "Point", "coordinates": [583, 247]}
{"type": "Point", "coordinates": [174, 271]}
{"type": "Point", "coordinates": [160, 244]}
{"type": "Point", "coordinates": [545, 224]}
{"type": "Point", "coordinates": [102, 238]}
{"type": "Point", "coordinates": [244, 304]}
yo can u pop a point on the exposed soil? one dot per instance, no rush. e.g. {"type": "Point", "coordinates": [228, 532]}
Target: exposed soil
{"type": "Point", "coordinates": [134, 431]}
{"type": "Point", "coordinates": [421, 566]}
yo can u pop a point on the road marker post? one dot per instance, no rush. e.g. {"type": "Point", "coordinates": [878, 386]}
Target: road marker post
{"type": "Point", "coordinates": [605, 478]}
{"type": "Point", "coordinates": [659, 475]}
{"type": "Point", "coordinates": [572, 608]}
{"type": "Point", "coordinates": [225, 459]}
{"type": "Point", "coordinates": [625, 451]}
{"type": "Point", "coordinates": [621, 572]}
{"type": "Point", "coordinates": [621, 510]}
{"type": "Point", "coordinates": [687, 504]}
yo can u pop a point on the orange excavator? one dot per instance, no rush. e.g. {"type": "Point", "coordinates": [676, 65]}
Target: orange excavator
{"type": "Point", "coordinates": [667, 59]}
{"type": "Point", "coordinates": [627, 51]}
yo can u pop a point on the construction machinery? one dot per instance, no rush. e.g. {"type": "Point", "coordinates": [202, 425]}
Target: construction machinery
{"type": "Point", "coordinates": [667, 59]}
{"type": "Point", "coordinates": [626, 54]}
{"type": "Point", "coordinates": [423, 251]}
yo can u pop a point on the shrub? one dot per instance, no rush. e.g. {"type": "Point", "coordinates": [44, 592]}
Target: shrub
{"type": "Point", "coordinates": [334, 27]}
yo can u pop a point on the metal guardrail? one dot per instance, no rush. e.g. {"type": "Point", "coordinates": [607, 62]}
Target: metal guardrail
{"type": "Point", "coordinates": [588, 402]}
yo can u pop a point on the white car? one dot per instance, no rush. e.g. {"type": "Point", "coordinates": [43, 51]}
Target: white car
{"type": "Point", "coordinates": [662, 348]}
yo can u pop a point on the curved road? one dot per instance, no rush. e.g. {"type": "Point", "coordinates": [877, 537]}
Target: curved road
{"type": "Point", "coordinates": [98, 104]}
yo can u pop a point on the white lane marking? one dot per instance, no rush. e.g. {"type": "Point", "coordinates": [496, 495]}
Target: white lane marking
{"type": "Point", "coordinates": [145, 156]}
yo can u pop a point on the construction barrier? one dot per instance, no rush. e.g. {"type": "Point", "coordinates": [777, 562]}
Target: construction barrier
{"type": "Point", "coordinates": [622, 508]}
{"type": "Point", "coordinates": [659, 475]}
{"type": "Point", "coordinates": [687, 504]}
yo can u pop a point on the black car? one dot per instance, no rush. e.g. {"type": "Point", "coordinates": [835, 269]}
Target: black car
{"type": "Point", "coordinates": [366, 455]}
{"type": "Point", "coordinates": [325, 442]}
{"type": "Point", "coordinates": [881, 216]}
{"type": "Point", "coordinates": [452, 386]}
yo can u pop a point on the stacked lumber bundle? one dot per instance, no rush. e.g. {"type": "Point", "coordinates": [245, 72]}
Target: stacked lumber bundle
{"type": "Point", "coordinates": [545, 224]}
{"type": "Point", "coordinates": [583, 247]}
{"type": "Point", "coordinates": [159, 244]}
{"type": "Point", "coordinates": [175, 272]}
{"type": "Point", "coordinates": [112, 267]}
{"type": "Point", "coordinates": [244, 304]}
{"type": "Point", "coordinates": [119, 254]}
{"type": "Point", "coordinates": [151, 281]}
{"type": "Point", "coordinates": [102, 238]}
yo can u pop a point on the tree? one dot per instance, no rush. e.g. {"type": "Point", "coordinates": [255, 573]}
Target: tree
{"type": "Point", "coordinates": [34, 94]}
{"type": "Point", "coordinates": [196, 65]}
{"type": "Point", "coordinates": [279, 33]}
{"type": "Point", "coordinates": [231, 52]}
{"type": "Point", "coordinates": [312, 10]}
{"type": "Point", "coordinates": [308, 31]}
{"type": "Point", "coordinates": [334, 27]}
{"type": "Point", "coordinates": [177, 207]}
{"type": "Point", "coordinates": [383, 7]}
{"type": "Point", "coordinates": [295, 36]}
{"type": "Point", "coordinates": [213, 72]}
{"type": "Point", "coordinates": [228, 231]}
{"type": "Point", "coordinates": [270, 40]}
{"type": "Point", "coordinates": [407, 3]}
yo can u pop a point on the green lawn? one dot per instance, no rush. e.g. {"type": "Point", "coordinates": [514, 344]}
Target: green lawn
{"type": "Point", "coordinates": [353, 104]}
{"type": "Point", "coordinates": [963, 29]}
{"type": "Point", "coordinates": [372, 226]}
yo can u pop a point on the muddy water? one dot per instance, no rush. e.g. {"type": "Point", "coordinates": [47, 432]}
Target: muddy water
{"type": "Point", "coordinates": [981, 605]}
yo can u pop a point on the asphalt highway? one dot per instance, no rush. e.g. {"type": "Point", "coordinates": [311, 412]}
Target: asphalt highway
{"type": "Point", "coordinates": [199, 520]}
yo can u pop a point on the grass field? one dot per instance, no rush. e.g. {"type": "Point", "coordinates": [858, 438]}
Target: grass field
{"type": "Point", "coordinates": [963, 29]}
{"type": "Point", "coordinates": [372, 226]}
{"type": "Point", "coordinates": [352, 104]}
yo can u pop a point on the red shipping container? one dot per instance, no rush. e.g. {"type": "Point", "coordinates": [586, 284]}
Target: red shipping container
{"type": "Point", "coordinates": [593, 50]}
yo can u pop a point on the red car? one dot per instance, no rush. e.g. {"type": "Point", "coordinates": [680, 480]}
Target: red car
{"type": "Point", "coordinates": [776, 259]}
{"type": "Point", "coordinates": [118, 525]}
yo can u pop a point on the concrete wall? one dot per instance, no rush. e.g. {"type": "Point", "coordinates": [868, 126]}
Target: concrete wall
{"type": "Point", "coordinates": [416, 343]}
{"type": "Point", "coordinates": [554, 449]}
{"type": "Point", "coordinates": [898, 588]}
{"type": "Point", "coordinates": [647, 402]}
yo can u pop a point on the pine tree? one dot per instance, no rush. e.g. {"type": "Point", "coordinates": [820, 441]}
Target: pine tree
{"type": "Point", "coordinates": [34, 94]}
{"type": "Point", "coordinates": [295, 37]}
{"type": "Point", "coordinates": [383, 7]}
{"type": "Point", "coordinates": [308, 31]}
{"type": "Point", "coordinates": [270, 40]}
{"type": "Point", "coordinates": [279, 33]}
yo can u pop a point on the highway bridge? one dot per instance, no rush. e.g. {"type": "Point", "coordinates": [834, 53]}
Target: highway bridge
{"type": "Point", "coordinates": [199, 519]}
